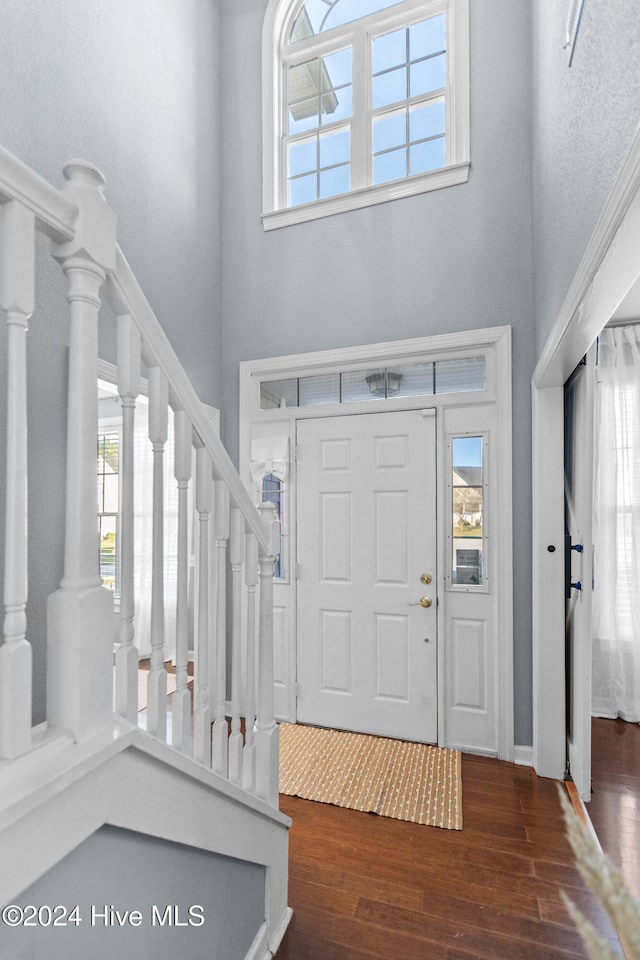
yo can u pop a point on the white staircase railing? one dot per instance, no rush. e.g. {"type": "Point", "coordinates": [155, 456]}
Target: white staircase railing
{"type": "Point", "coordinates": [84, 690]}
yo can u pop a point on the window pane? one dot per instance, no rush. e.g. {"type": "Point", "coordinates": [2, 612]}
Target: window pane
{"type": "Point", "coordinates": [335, 148]}
{"type": "Point", "coordinates": [390, 50]}
{"type": "Point", "coordinates": [303, 157]}
{"type": "Point", "coordinates": [453, 376]}
{"type": "Point", "coordinates": [304, 115]}
{"type": "Point", "coordinates": [315, 391]}
{"type": "Point", "coordinates": [427, 156]}
{"type": "Point", "coordinates": [467, 511]}
{"type": "Point", "coordinates": [416, 380]}
{"type": "Point", "coordinates": [274, 491]}
{"type": "Point", "coordinates": [338, 67]}
{"type": "Point", "coordinates": [426, 121]}
{"type": "Point", "coordinates": [363, 385]}
{"type": "Point", "coordinates": [334, 181]}
{"type": "Point", "coordinates": [309, 20]}
{"type": "Point", "coordinates": [427, 37]}
{"type": "Point", "coordinates": [389, 131]}
{"type": "Point", "coordinates": [345, 11]}
{"type": "Point", "coordinates": [390, 88]}
{"type": "Point", "coordinates": [337, 106]}
{"type": "Point", "coordinates": [427, 75]}
{"type": "Point", "coordinates": [390, 166]}
{"type": "Point", "coordinates": [303, 190]}
{"type": "Point", "coordinates": [107, 541]}
{"type": "Point", "coordinates": [278, 393]}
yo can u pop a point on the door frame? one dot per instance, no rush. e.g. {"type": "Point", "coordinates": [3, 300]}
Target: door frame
{"type": "Point", "coordinates": [495, 345]}
{"type": "Point", "coordinates": [609, 269]}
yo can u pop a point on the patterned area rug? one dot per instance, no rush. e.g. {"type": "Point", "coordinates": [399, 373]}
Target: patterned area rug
{"type": "Point", "coordinates": [394, 778]}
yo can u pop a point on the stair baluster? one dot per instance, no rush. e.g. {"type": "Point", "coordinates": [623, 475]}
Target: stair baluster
{"type": "Point", "coordinates": [181, 701]}
{"type": "Point", "coordinates": [267, 733]}
{"type": "Point", "coordinates": [236, 555]}
{"type": "Point", "coordinates": [251, 581]}
{"type": "Point", "coordinates": [157, 680]}
{"type": "Point", "coordinates": [221, 521]}
{"type": "Point", "coordinates": [202, 714]}
{"type": "Point", "coordinates": [126, 673]}
{"type": "Point", "coordinates": [17, 238]}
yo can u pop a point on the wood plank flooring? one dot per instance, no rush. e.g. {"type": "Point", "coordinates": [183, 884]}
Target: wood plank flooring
{"type": "Point", "coordinates": [364, 887]}
{"type": "Point", "coordinates": [614, 808]}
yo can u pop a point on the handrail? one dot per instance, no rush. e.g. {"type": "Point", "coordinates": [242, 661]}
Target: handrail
{"type": "Point", "coordinates": [54, 212]}
{"type": "Point", "coordinates": [126, 296]}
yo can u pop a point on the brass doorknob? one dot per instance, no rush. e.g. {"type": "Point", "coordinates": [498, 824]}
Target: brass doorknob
{"type": "Point", "coordinates": [426, 578]}
{"type": "Point", "coordinates": [423, 602]}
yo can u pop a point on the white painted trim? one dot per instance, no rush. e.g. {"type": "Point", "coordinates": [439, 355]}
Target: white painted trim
{"type": "Point", "coordinates": [503, 542]}
{"type": "Point", "coordinates": [455, 344]}
{"type": "Point", "coordinates": [607, 271]}
{"type": "Point", "coordinates": [609, 268]}
{"type": "Point", "coordinates": [448, 176]}
{"type": "Point", "coordinates": [523, 755]}
{"type": "Point", "coordinates": [62, 792]}
{"type": "Point", "coordinates": [55, 214]}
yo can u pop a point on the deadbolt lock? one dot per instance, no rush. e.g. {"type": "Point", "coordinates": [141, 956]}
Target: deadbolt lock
{"type": "Point", "coordinates": [426, 578]}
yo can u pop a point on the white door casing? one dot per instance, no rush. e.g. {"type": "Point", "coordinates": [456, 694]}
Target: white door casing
{"type": "Point", "coordinates": [475, 712]}
{"type": "Point", "coordinates": [367, 647]}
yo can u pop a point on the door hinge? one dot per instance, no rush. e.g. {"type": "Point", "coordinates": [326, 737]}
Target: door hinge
{"type": "Point", "coordinates": [298, 571]}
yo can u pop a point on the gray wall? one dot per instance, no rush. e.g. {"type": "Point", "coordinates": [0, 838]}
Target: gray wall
{"type": "Point", "coordinates": [583, 120]}
{"type": "Point", "coordinates": [132, 872]}
{"type": "Point", "coordinates": [455, 259]}
{"type": "Point", "coordinates": [133, 87]}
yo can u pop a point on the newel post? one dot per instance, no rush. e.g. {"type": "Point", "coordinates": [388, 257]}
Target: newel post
{"type": "Point", "coordinates": [267, 735]}
{"type": "Point", "coordinates": [17, 237]}
{"type": "Point", "coordinates": [80, 624]}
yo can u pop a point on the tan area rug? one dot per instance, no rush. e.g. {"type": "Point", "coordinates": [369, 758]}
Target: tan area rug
{"type": "Point", "coordinates": [406, 781]}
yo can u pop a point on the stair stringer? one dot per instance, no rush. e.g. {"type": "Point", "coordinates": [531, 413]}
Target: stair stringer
{"type": "Point", "coordinates": [60, 794]}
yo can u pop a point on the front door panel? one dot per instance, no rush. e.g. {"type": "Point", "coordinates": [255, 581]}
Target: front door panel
{"type": "Point", "coordinates": [367, 650]}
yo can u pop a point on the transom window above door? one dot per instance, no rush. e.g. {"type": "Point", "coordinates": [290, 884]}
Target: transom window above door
{"type": "Point", "coordinates": [364, 101]}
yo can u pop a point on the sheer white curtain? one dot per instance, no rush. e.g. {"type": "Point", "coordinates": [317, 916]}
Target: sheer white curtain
{"type": "Point", "coordinates": [616, 597]}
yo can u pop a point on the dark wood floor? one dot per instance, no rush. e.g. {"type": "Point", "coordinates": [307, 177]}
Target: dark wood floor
{"type": "Point", "coordinates": [614, 808]}
{"type": "Point", "coordinates": [364, 887]}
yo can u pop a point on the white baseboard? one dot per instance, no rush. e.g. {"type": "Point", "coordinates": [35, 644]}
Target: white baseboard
{"type": "Point", "coordinates": [523, 755]}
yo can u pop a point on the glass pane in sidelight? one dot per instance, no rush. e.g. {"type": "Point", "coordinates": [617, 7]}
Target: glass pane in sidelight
{"type": "Point", "coordinates": [467, 525]}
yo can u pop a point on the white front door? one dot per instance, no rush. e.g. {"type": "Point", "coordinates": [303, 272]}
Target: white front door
{"type": "Point", "coordinates": [579, 427]}
{"type": "Point", "coordinates": [366, 531]}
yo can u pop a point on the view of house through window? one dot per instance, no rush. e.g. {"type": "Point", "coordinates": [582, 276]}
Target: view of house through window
{"type": "Point", "coordinates": [108, 479]}
{"type": "Point", "coordinates": [467, 511]}
{"type": "Point", "coordinates": [405, 88]}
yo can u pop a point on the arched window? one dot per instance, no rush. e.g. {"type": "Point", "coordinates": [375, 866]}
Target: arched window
{"type": "Point", "coordinates": [364, 101]}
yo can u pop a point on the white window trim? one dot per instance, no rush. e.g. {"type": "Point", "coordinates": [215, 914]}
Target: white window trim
{"type": "Point", "coordinates": [277, 23]}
